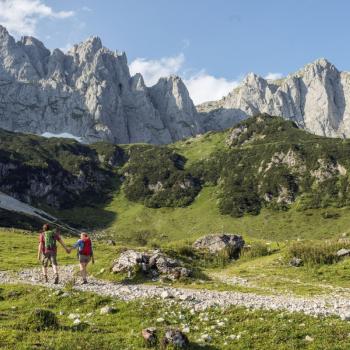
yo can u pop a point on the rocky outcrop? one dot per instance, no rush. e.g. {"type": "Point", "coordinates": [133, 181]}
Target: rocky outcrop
{"type": "Point", "coordinates": [317, 98]}
{"type": "Point", "coordinates": [217, 243]}
{"type": "Point", "coordinates": [55, 173]}
{"type": "Point", "coordinates": [155, 263]}
{"type": "Point", "coordinates": [89, 93]}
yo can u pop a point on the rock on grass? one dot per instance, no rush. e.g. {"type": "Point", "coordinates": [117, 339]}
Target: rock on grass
{"type": "Point", "coordinates": [150, 335]}
{"type": "Point", "coordinates": [176, 338]}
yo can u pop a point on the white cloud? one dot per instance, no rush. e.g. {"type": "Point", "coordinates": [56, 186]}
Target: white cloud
{"type": "Point", "coordinates": [21, 16]}
{"type": "Point", "coordinates": [66, 48]}
{"type": "Point", "coordinates": [273, 76]}
{"type": "Point", "coordinates": [201, 86]}
{"type": "Point", "coordinates": [204, 87]}
{"type": "Point", "coordinates": [152, 70]}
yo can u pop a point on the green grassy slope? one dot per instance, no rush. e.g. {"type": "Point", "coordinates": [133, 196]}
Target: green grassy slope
{"type": "Point", "coordinates": [202, 217]}
{"type": "Point", "coordinates": [298, 183]}
{"type": "Point", "coordinates": [319, 209]}
{"type": "Point", "coordinates": [243, 329]}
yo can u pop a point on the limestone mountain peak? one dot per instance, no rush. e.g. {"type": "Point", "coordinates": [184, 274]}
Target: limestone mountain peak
{"type": "Point", "coordinates": [89, 93]}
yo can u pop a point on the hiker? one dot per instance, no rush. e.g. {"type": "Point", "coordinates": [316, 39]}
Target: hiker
{"type": "Point", "coordinates": [85, 254]}
{"type": "Point", "coordinates": [47, 250]}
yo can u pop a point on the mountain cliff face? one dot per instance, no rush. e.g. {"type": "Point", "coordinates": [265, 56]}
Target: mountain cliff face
{"type": "Point", "coordinates": [317, 98]}
{"type": "Point", "coordinates": [88, 93]}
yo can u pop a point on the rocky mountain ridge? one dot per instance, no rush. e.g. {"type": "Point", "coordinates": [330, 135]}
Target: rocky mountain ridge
{"type": "Point", "coordinates": [89, 93]}
{"type": "Point", "coordinates": [317, 98]}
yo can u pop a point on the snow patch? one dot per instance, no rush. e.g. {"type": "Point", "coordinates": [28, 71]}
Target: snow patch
{"type": "Point", "coordinates": [64, 135]}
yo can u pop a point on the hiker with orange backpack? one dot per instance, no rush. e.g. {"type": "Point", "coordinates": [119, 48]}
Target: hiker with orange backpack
{"type": "Point", "coordinates": [85, 254]}
{"type": "Point", "coordinates": [47, 250]}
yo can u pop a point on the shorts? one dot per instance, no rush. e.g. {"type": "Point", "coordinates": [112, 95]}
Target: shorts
{"type": "Point", "coordinates": [49, 258]}
{"type": "Point", "coordinates": [84, 259]}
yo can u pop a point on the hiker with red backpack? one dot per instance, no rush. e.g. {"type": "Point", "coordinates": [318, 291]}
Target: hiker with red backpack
{"type": "Point", "coordinates": [47, 250]}
{"type": "Point", "coordinates": [85, 254]}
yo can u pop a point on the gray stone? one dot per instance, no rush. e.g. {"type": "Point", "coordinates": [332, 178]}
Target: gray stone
{"type": "Point", "coordinates": [176, 338]}
{"type": "Point", "coordinates": [343, 252]}
{"type": "Point", "coordinates": [217, 242]}
{"type": "Point", "coordinates": [107, 310]}
{"type": "Point", "coordinates": [127, 261]}
{"type": "Point", "coordinates": [309, 339]}
{"type": "Point", "coordinates": [155, 263]}
{"type": "Point", "coordinates": [166, 295]}
{"type": "Point", "coordinates": [150, 335]}
{"type": "Point", "coordinates": [296, 262]}
{"type": "Point", "coordinates": [345, 316]}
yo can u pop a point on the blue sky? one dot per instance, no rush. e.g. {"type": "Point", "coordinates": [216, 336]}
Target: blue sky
{"type": "Point", "coordinates": [211, 44]}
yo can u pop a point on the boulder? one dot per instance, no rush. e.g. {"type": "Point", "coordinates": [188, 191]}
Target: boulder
{"type": "Point", "coordinates": [176, 338]}
{"type": "Point", "coordinates": [163, 263]}
{"type": "Point", "coordinates": [150, 335]}
{"type": "Point", "coordinates": [343, 252]}
{"type": "Point", "coordinates": [217, 242]}
{"type": "Point", "coordinates": [296, 262]}
{"type": "Point", "coordinates": [154, 263]}
{"type": "Point", "coordinates": [127, 260]}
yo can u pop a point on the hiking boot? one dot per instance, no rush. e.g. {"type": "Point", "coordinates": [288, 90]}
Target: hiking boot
{"type": "Point", "coordinates": [56, 280]}
{"type": "Point", "coordinates": [46, 279]}
{"type": "Point", "coordinates": [85, 282]}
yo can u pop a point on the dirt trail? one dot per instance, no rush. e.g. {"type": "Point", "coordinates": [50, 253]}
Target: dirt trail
{"type": "Point", "coordinates": [334, 304]}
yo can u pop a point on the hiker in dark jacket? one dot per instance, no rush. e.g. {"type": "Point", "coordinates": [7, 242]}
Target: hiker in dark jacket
{"type": "Point", "coordinates": [85, 254]}
{"type": "Point", "coordinates": [47, 250]}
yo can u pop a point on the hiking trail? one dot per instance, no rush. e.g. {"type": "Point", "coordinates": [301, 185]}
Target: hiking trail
{"type": "Point", "coordinates": [198, 299]}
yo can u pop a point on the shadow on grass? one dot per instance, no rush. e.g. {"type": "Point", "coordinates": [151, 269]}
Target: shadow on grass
{"type": "Point", "coordinates": [89, 217]}
{"type": "Point", "coordinates": [17, 220]}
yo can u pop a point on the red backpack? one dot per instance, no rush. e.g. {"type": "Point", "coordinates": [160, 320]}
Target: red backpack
{"type": "Point", "coordinates": [87, 249]}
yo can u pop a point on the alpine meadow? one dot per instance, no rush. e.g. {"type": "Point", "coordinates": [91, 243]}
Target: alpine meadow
{"type": "Point", "coordinates": [146, 203]}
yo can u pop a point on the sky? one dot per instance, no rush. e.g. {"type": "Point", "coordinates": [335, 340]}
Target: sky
{"type": "Point", "coordinates": [211, 44]}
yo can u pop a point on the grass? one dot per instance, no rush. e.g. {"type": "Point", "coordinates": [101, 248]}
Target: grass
{"type": "Point", "coordinates": [203, 217]}
{"type": "Point", "coordinates": [267, 273]}
{"type": "Point", "coordinates": [259, 329]}
{"type": "Point", "coordinates": [320, 253]}
{"type": "Point", "coordinates": [236, 328]}
{"type": "Point", "coordinates": [19, 250]}
{"type": "Point", "coordinates": [201, 147]}
{"type": "Point", "coordinates": [274, 273]}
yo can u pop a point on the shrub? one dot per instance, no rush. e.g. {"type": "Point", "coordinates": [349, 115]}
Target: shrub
{"type": "Point", "coordinates": [256, 249]}
{"type": "Point", "coordinates": [272, 163]}
{"type": "Point", "coordinates": [330, 215]}
{"type": "Point", "coordinates": [141, 237]}
{"type": "Point", "coordinates": [156, 177]}
{"type": "Point", "coordinates": [41, 319]}
{"type": "Point", "coordinates": [315, 253]}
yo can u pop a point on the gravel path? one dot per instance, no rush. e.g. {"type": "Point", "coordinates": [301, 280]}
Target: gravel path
{"type": "Point", "coordinates": [196, 299]}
